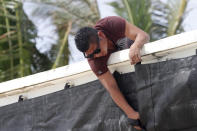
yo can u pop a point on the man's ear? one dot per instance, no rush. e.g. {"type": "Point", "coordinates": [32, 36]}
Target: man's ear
{"type": "Point", "coordinates": [101, 34]}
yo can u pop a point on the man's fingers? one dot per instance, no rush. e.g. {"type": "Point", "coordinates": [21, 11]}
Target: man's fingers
{"type": "Point", "coordinates": [137, 127]}
{"type": "Point", "coordinates": [139, 56]}
{"type": "Point", "coordinates": [131, 59]}
{"type": "Point", "coordinates": [135, 59]}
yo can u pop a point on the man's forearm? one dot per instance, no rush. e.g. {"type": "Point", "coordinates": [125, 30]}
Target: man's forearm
{"type": "Point", "coordinates": [120, 100]}
{"type": "Point", "coordinates": [118, 97]}
{"type": "Point", "coordinates": [141, 39]}
{"type": "Point", "coordinates": [134, 51]}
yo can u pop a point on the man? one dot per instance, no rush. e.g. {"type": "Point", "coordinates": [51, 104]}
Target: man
{"type": "Point", "coordinates": [99, 42]}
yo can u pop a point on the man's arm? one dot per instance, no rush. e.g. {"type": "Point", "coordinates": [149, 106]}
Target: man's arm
{"type": "Point", "coordinates": [110, 84]}
{"type": "Point", "coordinates": [140, 38]}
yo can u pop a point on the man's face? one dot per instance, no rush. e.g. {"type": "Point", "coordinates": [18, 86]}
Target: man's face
{"type": "Point", "coordinates": [94, 46]}
{"type": "Point", "coordinates": [94, 49]}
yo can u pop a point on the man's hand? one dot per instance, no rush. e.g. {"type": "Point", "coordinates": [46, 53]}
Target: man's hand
{"type": "Point", "coordinates": [134, 54]}
{"type": "Point", "coordinates": [140, 37]}
{"type": "Point", "coordinates": [135, 116]}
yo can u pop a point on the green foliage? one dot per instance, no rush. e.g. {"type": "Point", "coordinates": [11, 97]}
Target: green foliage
{"type": "Point", "coordinates": [177, 9]}
{"type": "Point", "coordinates": [139, 10]}
{"type": "Point", "coordinates": [155, 17]}
{"type": "Point", "coordinates": [11, 52]}
{"type": "Point", "coordinates": [79, 12]}
{"type": "Point", "coordinates": [18, 53]}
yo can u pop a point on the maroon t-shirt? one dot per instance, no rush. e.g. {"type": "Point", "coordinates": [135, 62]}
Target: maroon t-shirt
{"type": "Point", "coordinates": [114, 29]}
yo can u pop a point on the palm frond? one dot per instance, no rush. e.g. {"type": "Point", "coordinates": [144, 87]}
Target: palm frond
{"type": "Point", "coordinates": [60, 53]}
{"type": "Point", "coordinates": [177, 9]}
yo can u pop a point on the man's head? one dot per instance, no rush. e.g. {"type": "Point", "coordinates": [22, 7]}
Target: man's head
{"type": "Point", "coordinates": [88, 40]}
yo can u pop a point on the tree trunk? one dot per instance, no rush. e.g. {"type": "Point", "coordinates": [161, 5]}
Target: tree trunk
{"type": "Point", "coordinates": [62, 45]}
{"type": "Point", "coordinates": [126, 3]}
{"type": "Point", "coordinates": [20, 42]}
{"type": "Point", "coordinates": [177, 21]}
{"type": "Point", "coordinates": [9, 41]}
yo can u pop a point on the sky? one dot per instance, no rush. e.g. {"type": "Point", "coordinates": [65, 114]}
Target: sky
{"type": "Point", "coordinates": [191, 19]}
{"type": "Point", "coordinates": [43, 22]}
{"type": "Point", "coordinates": [48, 35]}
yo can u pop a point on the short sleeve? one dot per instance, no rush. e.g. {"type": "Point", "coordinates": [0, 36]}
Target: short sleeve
{"type": "Point", "coordinates": [99, 65]}
{"type": "Point", "coordinates": [117, 26]}
{"type": "Point", "coordinates": [113, 27]}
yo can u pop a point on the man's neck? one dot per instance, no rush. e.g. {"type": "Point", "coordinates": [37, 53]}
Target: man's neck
{"type": "Point", "coordinates": [110, 44]}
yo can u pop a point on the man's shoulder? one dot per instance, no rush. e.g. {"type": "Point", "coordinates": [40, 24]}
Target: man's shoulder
{"type": "Point", "coordinates": [109, 18]}
{"type": "Point", "coordinates": [112, 26]}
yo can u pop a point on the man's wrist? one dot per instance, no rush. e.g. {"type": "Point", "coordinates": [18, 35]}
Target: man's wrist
{"type": "Point", "coordinates": [137, 45]}
{"type": "Point", "coordinates": [133, 115]}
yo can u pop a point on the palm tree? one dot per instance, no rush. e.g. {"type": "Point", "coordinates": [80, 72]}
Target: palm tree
{"type": "Point", "coordinates": [81, 13]}
{"type": "Point", "coordinates": [78, 12]}
{"type": "Point", "coordinates": [18, 7]}
{"type": "Point", "coordinates": [155, 17]}
{"type": "Point", "coordinates": [177, 9]}
{"type": "Point", "coordinates": [62, 47]}
{"type": "Point", "coordinates": [18, 54]}
{"type": "Point", "coordinates": [8, 34]}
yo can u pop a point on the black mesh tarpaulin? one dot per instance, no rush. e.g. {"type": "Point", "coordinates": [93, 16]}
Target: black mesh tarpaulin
{"type": "Point", "coordinates": [164, 93]}
{"type": "Point", "coordinates": [167, 95]}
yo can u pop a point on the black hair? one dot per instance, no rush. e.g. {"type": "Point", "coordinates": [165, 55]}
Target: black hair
{"type": "Point", "coordinates": [84, 37]}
